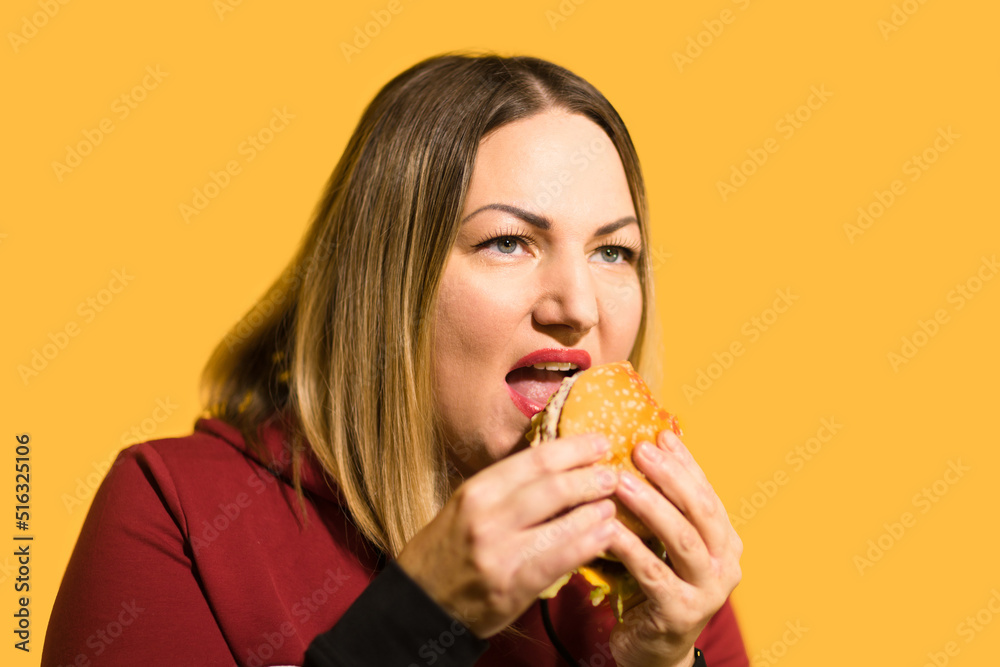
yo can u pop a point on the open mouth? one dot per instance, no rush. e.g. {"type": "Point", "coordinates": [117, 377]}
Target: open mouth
{"type": "Point", "coordinates": [530, 387]}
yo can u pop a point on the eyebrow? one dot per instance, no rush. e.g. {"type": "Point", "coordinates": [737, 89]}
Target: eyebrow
{"type": "Point", "coordinates": [542, 222]}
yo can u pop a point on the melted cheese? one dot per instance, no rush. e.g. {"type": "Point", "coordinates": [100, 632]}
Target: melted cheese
{"type": "Point", "coordinates": [601, 585]}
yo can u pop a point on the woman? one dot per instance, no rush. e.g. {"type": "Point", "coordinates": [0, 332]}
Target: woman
{"type": "Point", "coordinates": [360, 491]}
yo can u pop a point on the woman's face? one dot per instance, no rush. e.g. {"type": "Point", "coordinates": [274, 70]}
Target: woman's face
{"type": "Point", "coordinates": [560, 276]}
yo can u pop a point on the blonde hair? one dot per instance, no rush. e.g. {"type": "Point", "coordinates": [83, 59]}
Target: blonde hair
{"type": "Point", "coordinates": [338, 348]}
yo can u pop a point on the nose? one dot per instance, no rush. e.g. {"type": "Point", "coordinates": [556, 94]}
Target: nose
{"type": "Point", "coordinates": [568, 295]}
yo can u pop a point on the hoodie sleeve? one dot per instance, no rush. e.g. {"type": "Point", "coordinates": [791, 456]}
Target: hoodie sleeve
{"type": "Point", "coordinates": [394, 622]}
{"type": "Point", "coordinates": [130, 594]}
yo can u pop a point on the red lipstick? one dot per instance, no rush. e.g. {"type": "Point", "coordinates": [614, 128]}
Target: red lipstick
{"type": "Point", "coordinates": [529, 389]}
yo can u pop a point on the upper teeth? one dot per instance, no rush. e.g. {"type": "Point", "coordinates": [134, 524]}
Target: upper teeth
{"type": "Point", "coordinates": [555, 366]}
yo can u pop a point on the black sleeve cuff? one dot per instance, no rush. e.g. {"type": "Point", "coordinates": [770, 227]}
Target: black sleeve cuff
{"type": "Point", "coordinates": [395, 623]}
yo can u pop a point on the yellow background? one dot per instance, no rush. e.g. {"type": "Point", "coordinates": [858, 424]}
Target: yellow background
{"type": "Point", "coordinates": [721, 263]}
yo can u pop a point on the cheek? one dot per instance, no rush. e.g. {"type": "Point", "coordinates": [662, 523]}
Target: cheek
{"type": "Point", "coordinates": [621, 308]}
{"type": "Point", "coordinates": [475, 318]}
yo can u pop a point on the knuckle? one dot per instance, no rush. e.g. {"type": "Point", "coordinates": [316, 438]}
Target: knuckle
{"type": "Point", "coordinates": [585, 518]}
{"type": "Point", "coordinates": [594, 514]}
{"type": "Point", "coordinates": [527, 553]}
{"type": "Point", "coordinates": [683, 456]}
{"type": "Point", "coordinates": [593, 484]}
{"type": "Point", "coordinates": [480, 535]}
{"type": "Point", "coordinates": [737, 575]}
{"type": "Point", "coordinates": [655, 573]}
{"type": "Point", "coordinates": [560, 527]}
{"type": "Point", "coordinates": [737, 545]}
{"type": "Point", "coordinates": [709, 506]}
{"type": "Point", "coordinates": [470, 498]}
{"type": "Point", "coordinates": [563, 487]}
{"type": "Point", "coordinates": [544, 459]}
{"type": "Point", "coordinates": [687, 540]}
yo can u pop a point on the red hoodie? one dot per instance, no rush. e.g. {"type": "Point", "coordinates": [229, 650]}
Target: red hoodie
{"type": "Point", "coordinates": [194, 553]}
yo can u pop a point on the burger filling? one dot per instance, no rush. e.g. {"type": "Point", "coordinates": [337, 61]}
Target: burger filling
{"type": "Point", "coordinates": [545, 424]}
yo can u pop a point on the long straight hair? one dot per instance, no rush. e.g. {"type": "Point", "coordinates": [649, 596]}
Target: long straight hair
{"type": "Point", "coordinates": [339, 347]}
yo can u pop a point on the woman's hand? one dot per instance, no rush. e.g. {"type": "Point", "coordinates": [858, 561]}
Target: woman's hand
{"type": "Point", "coordinates": [495, 546]}
{"type": "Point", "coordinates": [677, 600]}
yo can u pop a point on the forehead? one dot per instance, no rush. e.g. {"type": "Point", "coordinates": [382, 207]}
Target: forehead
{"type": "Point", "coordinates": [558, 164]}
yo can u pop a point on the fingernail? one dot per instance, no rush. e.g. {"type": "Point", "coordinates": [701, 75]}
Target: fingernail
{"type": "Point", "coordinates": [605, 479]}
{"type": "Point", "coordinates": [606, 509]}
{"type": "Point", "coordinates": [601, 444]}
{"type": "Point", "coordinates": [650, 452]}
{"type": "Point", "coordinates": [629, 481]}
{"type": "Point", "coordinates": [667, 441]}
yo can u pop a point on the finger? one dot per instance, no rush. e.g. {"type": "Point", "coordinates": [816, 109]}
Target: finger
{"type": "Point", "coordinates": [552, 549]}
{"type": "Point", "coordinates": [553, 493]}
{"type": "Point", "coordinates": [683, 486]}
{"type": "Point", "coordinates": [669, 441]}
{"type": "Point", "coordinates": [655, 578]}
{"type": "Point", "coordinates": [682, 541]}
{"type": "Point", "coordinates": [553, 456]}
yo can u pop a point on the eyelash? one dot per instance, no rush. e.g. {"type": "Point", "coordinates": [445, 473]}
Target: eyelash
{"type": "Point", "coordinates": [629, 250]}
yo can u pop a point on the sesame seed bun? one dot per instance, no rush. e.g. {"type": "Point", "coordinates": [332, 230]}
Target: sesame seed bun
{"type": "Point", "coordinates": [613, 400]}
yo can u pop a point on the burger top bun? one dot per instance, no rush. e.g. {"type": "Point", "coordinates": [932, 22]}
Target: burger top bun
{"type": "Point", "coordinates": [613, 400]}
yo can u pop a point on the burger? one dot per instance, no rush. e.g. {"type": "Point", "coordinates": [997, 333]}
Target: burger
{"type": "Point", "coordinates": [613, 400]}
